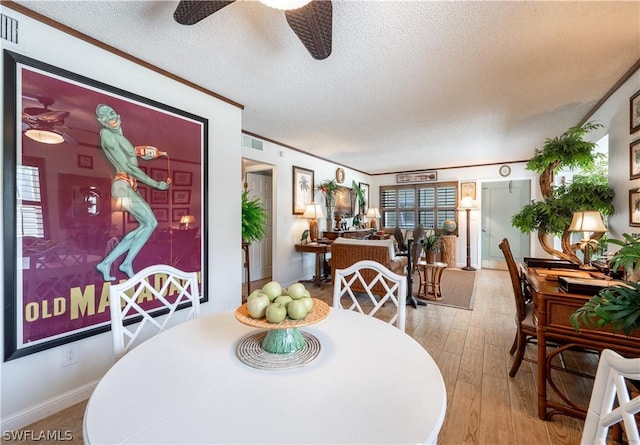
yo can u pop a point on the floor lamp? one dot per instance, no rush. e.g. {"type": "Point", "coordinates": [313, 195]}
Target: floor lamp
{"type": "Point", "coordinates": [468, 204]}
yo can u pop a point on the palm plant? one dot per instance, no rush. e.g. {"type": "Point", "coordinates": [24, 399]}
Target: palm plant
{"type": "Point", "coordinates": [616, 306]}
{"type": "Point", "coordinates": [329, 188]}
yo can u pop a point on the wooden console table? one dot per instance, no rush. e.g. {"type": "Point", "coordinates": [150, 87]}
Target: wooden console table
{"type": "Point", "coordinates": [553, 307]}
{"type": "Point", "coordinates": [320, 249]}
{"type": "Point", "coordinates": [333, 234]}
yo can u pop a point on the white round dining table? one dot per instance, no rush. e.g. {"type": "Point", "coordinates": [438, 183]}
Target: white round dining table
{"type": "Point", "coordinates": [370, 383]}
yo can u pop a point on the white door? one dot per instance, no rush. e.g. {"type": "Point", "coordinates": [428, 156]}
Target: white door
{"type": "Point", "coordinates": [500, 201]}
{"type": "Point", "coordinates": [260, 253]}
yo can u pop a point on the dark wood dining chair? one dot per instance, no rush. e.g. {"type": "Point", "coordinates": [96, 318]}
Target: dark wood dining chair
{"type": "Point", "coordinates": [525, 324]}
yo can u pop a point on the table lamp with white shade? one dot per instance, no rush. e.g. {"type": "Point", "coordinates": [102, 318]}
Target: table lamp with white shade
{"type": "Point", "coordinates": [373, 214]}
{"type": "Point", "coordinates": [186, 220]}
{"type": "Point", "coordinates": [312, 213]}
{"type": "Point", "coordinates": [589, 221]}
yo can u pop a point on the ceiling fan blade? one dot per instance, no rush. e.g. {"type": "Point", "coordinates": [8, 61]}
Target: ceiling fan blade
{"type": "Point", "coordinates": [189, 12]}
{"type": "Point", "coordinates": [68, 138]}
{"type": "Point", "coordinates": [313, 26]}
{"type": "Point", "coordinates": [52, 117]}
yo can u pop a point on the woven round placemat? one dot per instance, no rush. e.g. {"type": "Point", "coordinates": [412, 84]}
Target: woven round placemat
{"type": "Point", "coordinates": [251, 353]}
{"type": "Point", "coordinates": [319, 312]}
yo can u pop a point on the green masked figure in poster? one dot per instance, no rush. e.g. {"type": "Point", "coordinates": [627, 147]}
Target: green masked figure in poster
{"type": "Point", "coordinates": [123, 156]}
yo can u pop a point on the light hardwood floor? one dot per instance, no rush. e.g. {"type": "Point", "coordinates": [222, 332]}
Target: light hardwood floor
{"type": "Point", "coordinates": [485, 405]}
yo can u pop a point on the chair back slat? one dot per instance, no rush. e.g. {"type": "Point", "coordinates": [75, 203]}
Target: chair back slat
{"type": "Point", "coordinates": [516, 282]}
{"type": "Point", "coordinates": [364, 300]}
{"type": "Point", "coordinates": [176, 288]}
{"type": "Point", "coordinates": [609, 385]}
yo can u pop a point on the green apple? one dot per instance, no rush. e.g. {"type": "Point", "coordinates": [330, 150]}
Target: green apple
{"type": "Point", "coordinates": [255, 292]}
{"type": "Point", "coordinates": [276, 313]}
{"type": "Point", "coordinates": [297, 310]}
{"type": "Point", "coordinates": [308, 303]}
{"type": "Point", "coordinates": [257, 305]}
{"type": "Point", "coordinates": [307, 294]}
{"type": "Point", "coordinates": [296, 290]}
{"type": "Point", "coordinates": [272, 289]}
{"type": "Point", "coordinates": [283, 299]}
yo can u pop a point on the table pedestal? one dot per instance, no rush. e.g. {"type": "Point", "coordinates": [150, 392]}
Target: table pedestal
{"type": "Point", "coordinates": [449, 250]}
{"type": "Point", "coordinates": [283, 341]}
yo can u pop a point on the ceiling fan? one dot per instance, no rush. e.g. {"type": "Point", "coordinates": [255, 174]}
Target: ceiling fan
{"type": "Point", "coordinates": [311, 20]}
{"type": "Point", "coordinates": [44, 125]}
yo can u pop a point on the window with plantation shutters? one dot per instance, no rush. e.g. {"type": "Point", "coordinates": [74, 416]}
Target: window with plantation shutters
{"type": "Point", "coordinates": [407, 206]}
{"type": "Point", "coordinates": [29, 200]}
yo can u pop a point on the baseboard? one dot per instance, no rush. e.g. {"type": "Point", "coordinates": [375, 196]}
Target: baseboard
{"type": "Point", "coordinates": [44, 409]}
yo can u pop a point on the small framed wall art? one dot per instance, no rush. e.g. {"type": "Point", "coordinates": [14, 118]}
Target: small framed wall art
{"type": "Point", "coordinates": [634, 208]}
{"type": "Point", "coordinates": [302, 189]}
{"type": "Point", "coordinates": [634, 112]}
{"type": "Point", "coordinates": [468, 189]}
{"type": "Point", "coordinates": [634, 160]}
{"type": "Point", "coordinates": [425, 176]}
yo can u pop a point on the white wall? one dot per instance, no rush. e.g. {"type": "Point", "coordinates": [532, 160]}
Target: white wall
{"type": "Point", "coordinates": [483, 174]}
{"type": "Point", "coordinates": [288, 265]}
{"type": "Point", "coordinates": [37, 385]}
{"type": "Point", "coordinates": [614, 115]}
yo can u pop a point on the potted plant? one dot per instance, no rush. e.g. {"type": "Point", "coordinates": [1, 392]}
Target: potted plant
{"type": "Point", "coordinates": [552, 215]}
{"type": "Point", "coordinates": [431, 243]}
{"type": "Point", "coordinates": [328, 188]}
{"type": "Point", "coordinates": [254, 219]}
{"type": "Point", "coordinates": [618, 306]}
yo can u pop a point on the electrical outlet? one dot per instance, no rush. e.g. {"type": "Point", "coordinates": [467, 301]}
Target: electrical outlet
{"type": "Point", "coordinates": [69, 355]}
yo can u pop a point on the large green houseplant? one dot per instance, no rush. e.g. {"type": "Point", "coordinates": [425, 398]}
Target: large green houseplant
{"type": "Point", "coordinates": [617, 307]}
{"type": "Point", "coordinates": [254, 219]}
{"type": "Point", "coordinates": [589, 191]}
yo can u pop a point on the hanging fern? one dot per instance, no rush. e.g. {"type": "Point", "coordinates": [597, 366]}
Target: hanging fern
{"type": "Point", "coordinates": [254, 219]}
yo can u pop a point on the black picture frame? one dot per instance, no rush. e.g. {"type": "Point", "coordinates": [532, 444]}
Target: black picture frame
{"type": "Point", "coordinates": [634, 208]}
{"type": "Point", "coordinates": [302, 189]}
{"type": "Point", "coordinates": [40, 314]}
{"type": "Point", "coordinates": [634, 113]}
{"type": "Point", "coordinates": [364, 187]}
{"type": "Point", "coordinates": [634, 159]}
{"type": "Point", "coordinates": [423, 176]}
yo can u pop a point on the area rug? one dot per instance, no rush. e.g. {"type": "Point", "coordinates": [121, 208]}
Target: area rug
{"type": "Point", "coordinates": [457, 289]}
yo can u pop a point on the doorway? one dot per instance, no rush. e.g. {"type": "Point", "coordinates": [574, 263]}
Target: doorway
{"type": "Point", "coordinates": [259, 183]}
{"type": "Point", "coordinates": [500, 201]}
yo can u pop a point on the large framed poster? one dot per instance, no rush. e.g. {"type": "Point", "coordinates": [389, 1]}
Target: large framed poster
{"type": "Point", "coordinates": [75, 152]}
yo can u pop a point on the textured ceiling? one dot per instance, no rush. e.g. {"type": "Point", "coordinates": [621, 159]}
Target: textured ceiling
{"type": "Point", "coordinates": [409, 85]}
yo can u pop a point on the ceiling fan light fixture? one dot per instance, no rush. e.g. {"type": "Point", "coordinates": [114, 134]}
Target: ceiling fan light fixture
{"type": "Point", "coordinates": [44, 136]}
{"type": "Point", "coordinates": [285, 5]}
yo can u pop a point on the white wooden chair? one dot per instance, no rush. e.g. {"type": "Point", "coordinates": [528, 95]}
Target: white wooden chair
{"type": "Point", "coordinates": [169, 286]}
{"type": "Point", "coordinates": [609, 383]}
{"type": "Point", "coordinates": [367, 274]}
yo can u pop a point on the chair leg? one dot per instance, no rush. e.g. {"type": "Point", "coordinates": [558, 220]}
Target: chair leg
{"type": "Point", "coordinates": [514, 345]}
{"type": "Point", "coordinates": [517, 360]}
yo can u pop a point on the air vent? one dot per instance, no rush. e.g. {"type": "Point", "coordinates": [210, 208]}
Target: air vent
{"type": "Point", "coordinates": [8, 29]}
{"type": "Point", "coordinates": [249, 142]}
